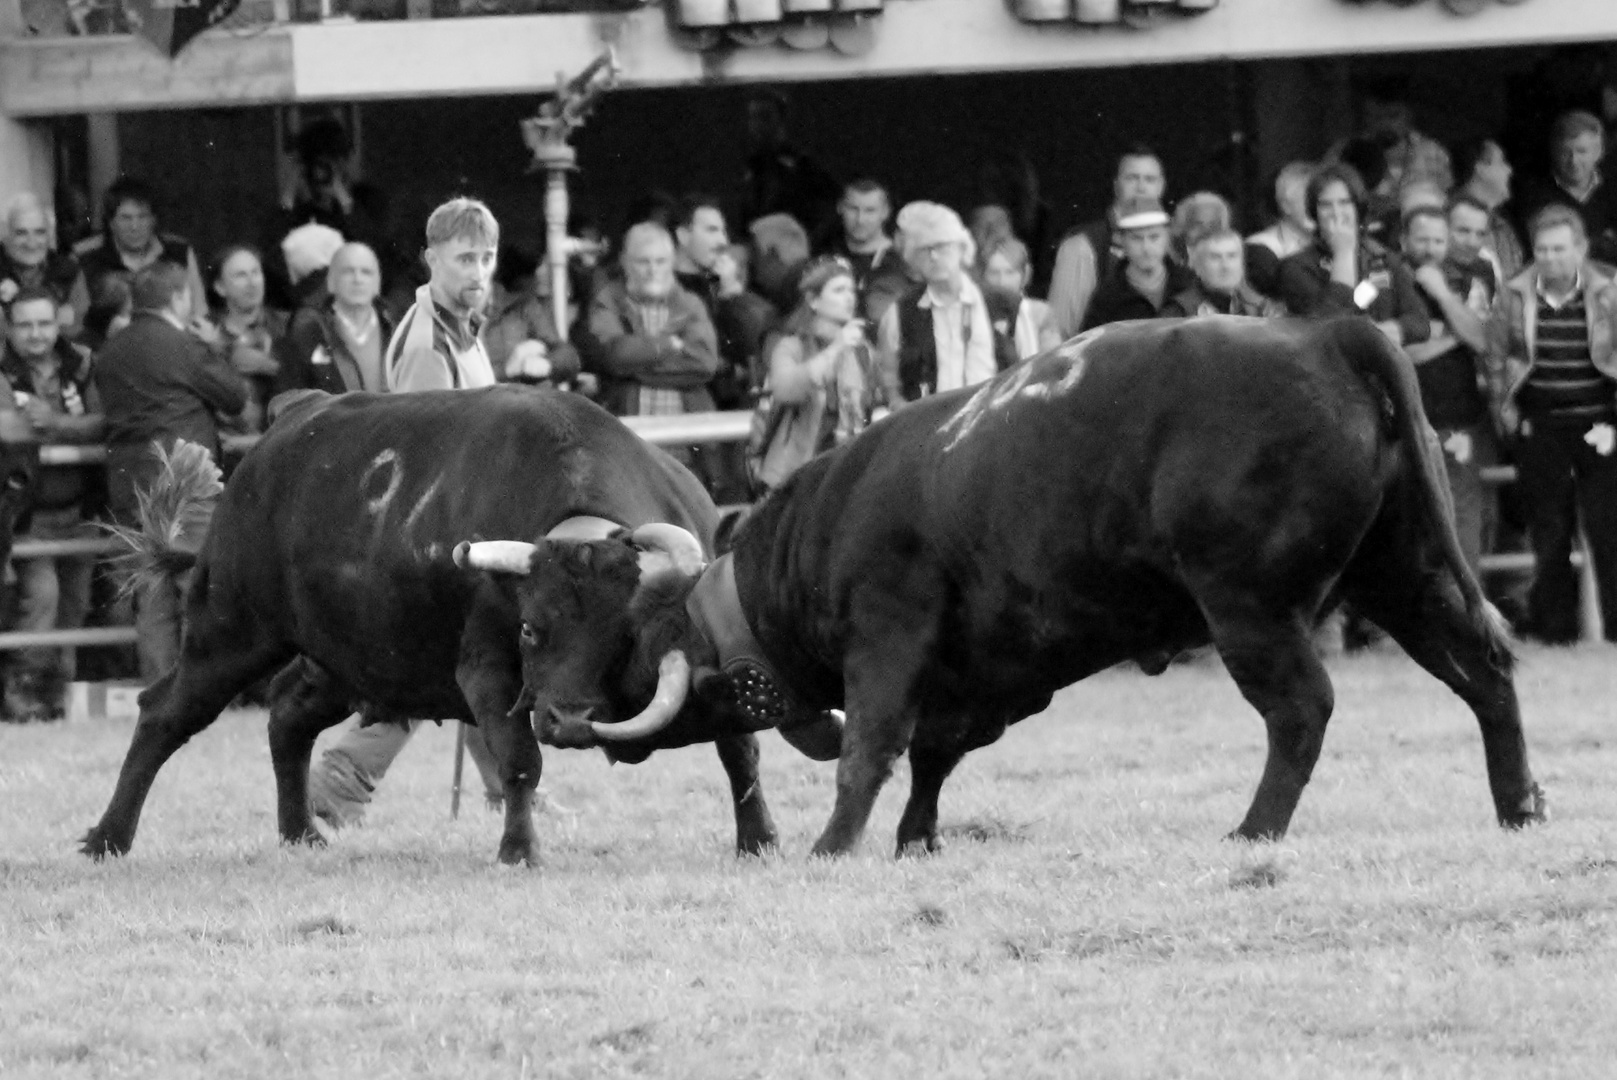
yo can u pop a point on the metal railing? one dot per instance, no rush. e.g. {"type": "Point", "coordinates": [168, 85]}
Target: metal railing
{"type": "Point", "coordinates": [686, 430]}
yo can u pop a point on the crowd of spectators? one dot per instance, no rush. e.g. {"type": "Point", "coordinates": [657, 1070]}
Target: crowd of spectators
{"type": "Point", "coordinates": [830, 305]}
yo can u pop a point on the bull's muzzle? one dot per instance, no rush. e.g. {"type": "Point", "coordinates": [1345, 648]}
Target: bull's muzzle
{"type": "Point", "coordinates": [570, 729]}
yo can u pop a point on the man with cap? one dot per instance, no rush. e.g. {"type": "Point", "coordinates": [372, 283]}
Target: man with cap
{"type": "Point", "coordinates": [1139, 286]}
{"type": "Point", "coordinates": [937, 336]}
{"type": "Point", "coordinates": [1088, 255]}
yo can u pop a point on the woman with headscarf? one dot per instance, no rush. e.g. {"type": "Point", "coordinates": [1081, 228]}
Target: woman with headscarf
{"type": "Point", "coordinates": [819, 388]}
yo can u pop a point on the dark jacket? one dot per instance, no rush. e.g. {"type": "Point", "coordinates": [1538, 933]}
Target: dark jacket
{"type": "Point", "coordinates": [1199, 300]}
{"type": "Point", "coordinates": [1599, 213]}
{"type": "Point", "coordinates": [683, 356]}
{"type": "Point", "coordinates": [314, 355]}
{"type": "Point", "coordinates": [519, 317]}
{"type": "Point", "coordinates": [1307, 289]}
{"type": "Point", "coordinates": [1117, 300]}
{"type": "Point", "coordinates": [58, 487]}
{"type": "Point", "coordinates": [741, 323]}
{"type": "Point", "coordinates": [918, 345]}
{"type": "Point", "coordinates": [159, 383]}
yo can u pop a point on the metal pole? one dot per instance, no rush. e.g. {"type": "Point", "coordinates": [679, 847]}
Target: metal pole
{"type": "Point", "coordinates": [556, 245]}
{"type": "Point", "coordinates": [460, 765]}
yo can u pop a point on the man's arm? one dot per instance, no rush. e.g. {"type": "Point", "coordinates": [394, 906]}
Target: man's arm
{"type": "Point", "coordinates": [1072, 283]}
{"type": "Point", "coordinates": [214, 380]}
{"type": "Point", "coordinates": [611, 348]}
{"type": "Point", "coordinates": [1463, 323]}
{"type": "Point", "coordinates": [419, 369]}
{"type": "Point", "coordinates": [687, 353]}
{"type": "Point", "coordinates": [1496, 361]}
{"type": "Point", "coordinates": [887, 347]}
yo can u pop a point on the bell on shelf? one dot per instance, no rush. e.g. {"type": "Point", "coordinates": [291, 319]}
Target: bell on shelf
{"type": "Point", "coordinates": [859, 5]}
{"type": "Point", "coordinates": [702, 12]}
{"type": "Point", "coordinates": [1097, 12]}
{"type": "Point", "coordinates": [806, 7]}
{"type": "Point", "coordinates": [1044, 10]}
{"type": "Point", "coordinates": [1197, 6]}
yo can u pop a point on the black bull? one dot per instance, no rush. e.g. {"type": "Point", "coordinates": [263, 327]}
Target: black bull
{"type": "Point", "coordinates": [332, 545]}
{"type": "Point", "coordinates": [1143, 489]}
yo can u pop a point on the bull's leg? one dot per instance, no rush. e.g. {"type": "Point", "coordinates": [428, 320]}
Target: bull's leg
{"type": "Point", "coordinates": [755, 829]}
{"type": "Point", "coordinates": [1273, 661]}
{"type": "Point", "coordinates": [184, 701]}
{"type": "Point", "coordinates": [1426, 616]}
{"type": "Point", "coordinates": [930, 766]}
{"type": "Point", "coordinates": [304, 701]}
{"type": "Point", "coordinates": [491, 692]}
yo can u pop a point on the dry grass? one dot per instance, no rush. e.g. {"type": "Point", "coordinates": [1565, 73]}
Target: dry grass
{"type": "Point", "coordinates": [1085, 920]}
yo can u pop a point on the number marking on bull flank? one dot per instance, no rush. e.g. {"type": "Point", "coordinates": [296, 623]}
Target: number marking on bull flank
{"type": "Point", "coordinates": [1042, 378]}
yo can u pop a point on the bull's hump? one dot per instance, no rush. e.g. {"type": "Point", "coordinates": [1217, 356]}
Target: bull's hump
{"type": "Point", "coordinates": [1042, 379]}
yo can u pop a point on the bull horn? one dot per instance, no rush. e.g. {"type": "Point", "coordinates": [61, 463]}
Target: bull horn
{"type": "Point", "coordinates": [678, 545]}
{"type": "Point", "coordinates": [673, 683]}
{"type": "Point", "coordinates": [505, 556]}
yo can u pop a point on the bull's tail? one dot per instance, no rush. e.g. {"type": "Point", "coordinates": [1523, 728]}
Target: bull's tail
{"type": "Point", "coordinates": [1396, 374]}
{"type": "Point", "coordinates": [173, 515]}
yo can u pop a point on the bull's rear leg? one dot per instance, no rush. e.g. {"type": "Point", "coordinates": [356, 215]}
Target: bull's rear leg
{"type": "Point", "coordinates": [1272, 659]}
{"type": "Point", "coordinates": [184, 701]}
{"type": "Point", "coordinates": [755, 828]}
{"type": "Point", "coordinates": [930, 766]}
{"type": "Point", "coordinates": [1424, 613]}
{"type": "Point", "coordinates": [304, 701]}
{"type": "Point", "coordinates": [491, 693]}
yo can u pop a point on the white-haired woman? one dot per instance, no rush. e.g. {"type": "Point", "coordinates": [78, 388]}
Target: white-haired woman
{"type": "Point", "coordinates": [819, 384]}
{"type": "Point", "coordinates": [1292, 231]}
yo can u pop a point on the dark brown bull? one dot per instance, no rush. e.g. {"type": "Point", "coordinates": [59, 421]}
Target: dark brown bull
{"type": "Point", "coordinates": [1140, 490]}
{"type": "Point", "coordinates": [331, 548]}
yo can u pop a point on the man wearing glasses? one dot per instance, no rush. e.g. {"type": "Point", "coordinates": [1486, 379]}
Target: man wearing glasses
{"type": "Point", "coordinates": [937, 336]}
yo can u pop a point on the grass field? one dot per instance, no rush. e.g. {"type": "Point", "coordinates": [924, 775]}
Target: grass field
{"type": "Point", "coordinates": [1086, 919]}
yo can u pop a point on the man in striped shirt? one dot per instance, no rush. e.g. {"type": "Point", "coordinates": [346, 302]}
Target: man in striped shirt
{"type": "Point", "coordinates": [1552, 360]}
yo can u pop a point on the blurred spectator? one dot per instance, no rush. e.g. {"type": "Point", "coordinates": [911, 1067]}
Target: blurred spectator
{"type": "Point", "coordinates": [1218, 261]}
{"type": "Point", "coordinates": [1292, 231]}
{"type": "Point", "coordinates": [1577, 147]}
{"type": "Point", "coordinates": [438, 343]}
{"type": "Point", "coordinates": [1346, 272]}
{"type": "Point", "coordinates": [159, 383]}
{"type": "Point", "coordinates": [28, 261]}
{"type": "Point", "coordinates": [1553, 379]}
{"type": "Point", "coordinates": [879, 272]}
{"type": "Point", "coordinates": [1446, 364]}
{"type": "Point", "coordinates": [1367, 157]}
{"type": "Point", "coordinates": [1089, 254]}
{"type": "Point", "coordinates": [1199, 213]}
{"type": "Point", "coordinates": [242, 330]}
{"type": "Point", "coordinates": [306, 252]}
{"type": "Point", "coordinates": [704, 267]}
{"type": "Point", "coordinates": [1009, 180]}
{"type": "Point", "coordinates": [651, 342]}
{"type": "Point", "coordinates": [989, 222]}
{"type": "Point", "coordinates": [111, 308]}
{"type": "Point", "coordinates": [327, 193]}
{"type": "Point", "coordinates": [780, 178]}
{"type": "Point", "coordinates": [821, 375]}
{"type": "Point", "coordinates": [938, 335]}
{"type": "Point", "coordinates": [1143, 282]}
{"type": "Point", "coordinates": [1024, 322]}
{"type": "Point", "coordinates": [520, 333]}
{"type": "Point", "coordinates": [780, 251]}
{"type": "Point", "coordinates": [757, 317]}
{"type": "Point", "coordinates": [49, 379]}
{"type": "Point", "coordinates": [130, 240]}
{"type": "Point", "coordinates": [1483, 173]}
{"type": "Point", "coordinates": [337, 346]}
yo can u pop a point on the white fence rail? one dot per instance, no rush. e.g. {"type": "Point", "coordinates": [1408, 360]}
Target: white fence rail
{"type": "Point", "coordinates": [716, 427]}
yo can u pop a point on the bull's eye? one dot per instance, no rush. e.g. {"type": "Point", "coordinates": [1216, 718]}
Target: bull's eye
{"type": "Point", "coordinates": [530, 636]}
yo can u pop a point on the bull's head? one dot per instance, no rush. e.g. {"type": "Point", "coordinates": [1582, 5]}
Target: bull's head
{"type": "Point", "coordinates": [608, 649]}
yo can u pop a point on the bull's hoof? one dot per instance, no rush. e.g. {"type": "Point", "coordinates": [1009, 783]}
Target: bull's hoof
{"type": "Point", "coordinates": [98, 843]}
{"type": "Point", "coordinates": [1253, 835]}
{"type": "Point", "coordinates": [518, 853]}
{"type": "Point", "coordinates": [1532, 809]}
{"type": "Point", "coordinates": [308, 836]}
{"type": "Point", "coordinates": [752, 846]}
{"type": "Point", "coordinates": [919, 847]}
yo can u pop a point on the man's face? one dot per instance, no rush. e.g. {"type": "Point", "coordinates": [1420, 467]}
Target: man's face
{"type": "Point", "coordinates": [27, 239]}
{"type": "Point", "coordinates": [463, 270]}
{"type": "Point", "coordinates": [704, 238]}
{"type": "Point", "coordinates": [1221, 264]}
{"type": "Point", "coordinates": [864, 213]}
{"type": "Point", "coordinates": [1335, 206]}
{"type": "Point", "coordinates": [1146, 249]}
{"type": "Point", "coordinates": [1493, 171]}
{"type": "Point", "coordinates": [1468, 232]}
{"type": "Point", "coordinates": [1577, 159]}
{"type": "Point", "coordinates": [32, 328]}
{"type": "Point", "coordinates": [1139, 177]}
{"type": "Point", "coordinates": [241, 282]}
{"type": "Point", "coordinates": [1292, 197]}
{"type": "Point", "coordinates": [1558, 253]}
{"type": "Point", "coordinates": [942, 263]}
{"type": "Point", "coordinates": [648, 267]}
{"type": "Point", "coordinates": [1426, 240]}
{"type": "Point", "coordinates": [355, 277]}
{"type": "Point", "coordinates": [133, 225]}
{"type": "Point", "coordinates": [1001, 275]}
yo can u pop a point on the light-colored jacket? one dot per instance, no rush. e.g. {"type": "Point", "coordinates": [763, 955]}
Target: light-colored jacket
{"type": "Point", "coordinates": [1512, 346]}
